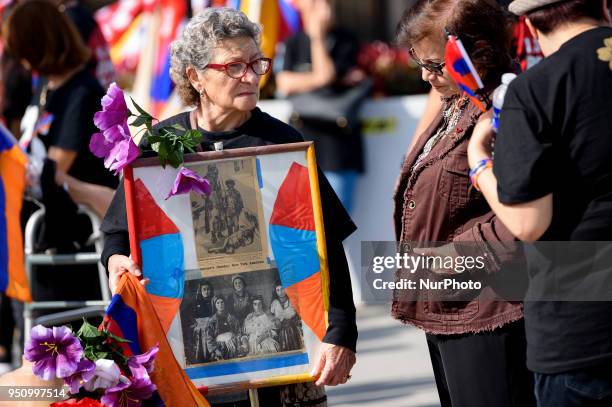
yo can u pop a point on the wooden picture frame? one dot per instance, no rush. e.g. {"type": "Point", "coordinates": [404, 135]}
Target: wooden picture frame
{"type": "Point", "coordinates": [239, 279]}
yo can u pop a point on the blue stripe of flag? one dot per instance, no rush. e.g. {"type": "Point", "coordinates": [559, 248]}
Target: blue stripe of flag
{"type": "Point", "coordinates": [295, 252]}
{"type": "Point", "coordinates": [3, 240]}
{"type": "Point", "coordinates": [125, 317]}
{"type": "Point", "coordinates": [273, 362]}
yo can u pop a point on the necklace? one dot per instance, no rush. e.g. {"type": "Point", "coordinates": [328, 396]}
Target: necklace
{"type": "Point", "coordinates": [451, 115]}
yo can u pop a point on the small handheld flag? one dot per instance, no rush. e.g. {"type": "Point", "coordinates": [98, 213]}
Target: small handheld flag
{"type": "Point", "coordinates": [461, 69]}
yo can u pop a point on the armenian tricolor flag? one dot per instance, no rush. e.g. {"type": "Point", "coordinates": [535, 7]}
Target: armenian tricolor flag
{"type": "Point", "coordinates": [131, 315]}
{"type": "Point", "coordinates": [13, 162]}
{"type": "Point", "coordinates": [294, 242]}
{"type": "Point", "coordinates": [461, 69]}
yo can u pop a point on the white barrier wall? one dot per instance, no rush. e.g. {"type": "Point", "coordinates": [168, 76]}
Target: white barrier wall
{"type": "Point", "coordinates": [389, 125]}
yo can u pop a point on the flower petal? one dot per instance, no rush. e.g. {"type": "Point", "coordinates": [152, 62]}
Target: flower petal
{"type": "Point", "coordinates": [114, 109]}
{"type": "Point", "coordinates": [84, 373]}
{"type": "Point", "coordinates": [186, 181]}
{"type": "Point", "coordinates": [122, 154]}
{"type": "Point", "coordinates": [107, 119]}
{"type": "Point", "coordinates": [65, 366]}
{"type": "Point", "coordinates": [142, 364]}
{"type": "Point", "coordinates": [604, 54]}
{"type": "Point", "coordinates": [99, 146]}
{"type": "Point", "coordinates": [114, 98]}
{"type": "Point", "coordinates": [45, 368]}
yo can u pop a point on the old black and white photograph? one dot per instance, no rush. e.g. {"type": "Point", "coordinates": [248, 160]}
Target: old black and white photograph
{"type": "Point", "coordinates": [244, 315]}
{"type": "Point", "coordinates": [227, 223]}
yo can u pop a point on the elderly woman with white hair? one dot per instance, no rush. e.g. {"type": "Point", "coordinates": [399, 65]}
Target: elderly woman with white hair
{"type": "Point", "coordinates": [217, 65]}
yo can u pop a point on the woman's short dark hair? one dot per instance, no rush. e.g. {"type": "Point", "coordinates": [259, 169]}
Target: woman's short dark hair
{"type": "Point", "coordinates": [37, 32]}
{"type": "Point", "coordinates": [549, 18]}
{"type": "Point", "coordinates": [482, 26]}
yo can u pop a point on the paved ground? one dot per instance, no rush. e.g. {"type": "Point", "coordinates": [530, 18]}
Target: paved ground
{"type": "Point", "coordinates": [393, 367]}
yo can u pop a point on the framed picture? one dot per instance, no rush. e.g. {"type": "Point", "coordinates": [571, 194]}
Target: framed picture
{"type": "Point", "coordinates": [238, 278]}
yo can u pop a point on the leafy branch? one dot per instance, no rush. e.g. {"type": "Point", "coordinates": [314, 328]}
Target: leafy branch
{"type": "Point", "coordinates": [169, 142]}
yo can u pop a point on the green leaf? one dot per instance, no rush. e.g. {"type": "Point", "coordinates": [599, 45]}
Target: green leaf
{"type": "Point", "coordinates": [117, 338]}
{"type": "Point", "coordinates": [101, 355]}
{"type": "Point", "coordinates": [178, 127]}
{"type": "Point", "coordinates": [154, 139]}
{"type": "Point", "coordinates": [167, 133]}
{"type": "Point", "coordinates": [88, 331]}
{"type": "Point", "coordinates": [162, 152]}
{"type": "Point", "coordinates": [139, 121]}
{"type": "Point", "coordinates": [191, 139]}
{"type": "Point", "coordinates": [140, 109]}
{"type": "Point", "coordinates": [175, 158]}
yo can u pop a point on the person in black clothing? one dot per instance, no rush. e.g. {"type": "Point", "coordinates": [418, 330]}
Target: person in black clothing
{"type": "Point", "coordinates": [217, 65]}
{"type": "Point", "coordinates": [551, 181]}
{"type": "Point", "coordinates": [324, 56]}
{"type": "Point", "coordinates": [66, 98]}
{"type": "Point", "coordinates": [64, 105]}
{"type": "Point", "coordinates": [99, 64]}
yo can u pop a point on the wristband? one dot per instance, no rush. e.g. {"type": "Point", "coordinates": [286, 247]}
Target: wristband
{"type": "Point", "coordinates": [479, 169]}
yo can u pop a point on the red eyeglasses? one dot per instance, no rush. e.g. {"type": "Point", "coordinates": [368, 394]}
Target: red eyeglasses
{"type": "Point", "coordinates": [238, 69]}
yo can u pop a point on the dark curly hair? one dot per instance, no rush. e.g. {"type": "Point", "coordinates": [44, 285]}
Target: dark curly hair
{"type": "Point", "coordinates": [482, 25]}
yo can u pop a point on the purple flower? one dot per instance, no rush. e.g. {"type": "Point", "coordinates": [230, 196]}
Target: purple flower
{"type": "Point", "coordinates": [102, 143]}
{"type": "Point", "coordinates": [85, 371]}
{"type": "Point", "coordinates": [114, 142]}
{"type": "Point", "coordinates": [129, 393]}
{"type": "Point", "coordinates": [55, 352]}
{"type": "Point", "coordinates": [107, 374]}
{"type": "Point", "coordinates": [186, 181]}
{"type": "Point", "coordinates": [143, 364]}
{"type": "Point", "coordinates": [122, 154]}
{"type": "Point", "coordinates": [114, 109]}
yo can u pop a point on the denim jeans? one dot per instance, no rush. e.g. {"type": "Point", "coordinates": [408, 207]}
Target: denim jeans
{"type": "Point", "coordinates": [587, 387]}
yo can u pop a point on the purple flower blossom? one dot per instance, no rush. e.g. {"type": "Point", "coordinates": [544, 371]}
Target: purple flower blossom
{"type": "Point", "coordinates": [85, 371]}
{"type": "Point", "coordinates": [55, 352]}
{"type": "Point", "coordinates": [141, 365]}
{"type": "Point", "coordinates": [187, 180]}
{"type": "Point", "coordinates": [114, 143]}
{"type": "Point", "coordinates": [129, 393]}
{"type": "Point", "coordinates": [122, 154]}
{"type": "Point", "coordinates": [107, 374]}
{"type": "Point", "coordinates": [114, 109]}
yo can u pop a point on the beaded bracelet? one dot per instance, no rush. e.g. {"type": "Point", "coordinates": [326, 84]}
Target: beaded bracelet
{"type": "Point", "coordinates": [479, 169]}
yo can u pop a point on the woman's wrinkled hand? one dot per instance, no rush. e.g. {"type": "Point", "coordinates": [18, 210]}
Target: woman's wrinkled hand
{"type": "Point", "coordinates": [479, 147]}
{"type": "Point", "coordinates": [334, 365]}
{"type": "Point", "coordinates": [119, 264]}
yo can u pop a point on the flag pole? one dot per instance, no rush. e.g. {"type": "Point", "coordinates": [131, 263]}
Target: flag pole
{"type": "Point", "coordinates": [254, 397]}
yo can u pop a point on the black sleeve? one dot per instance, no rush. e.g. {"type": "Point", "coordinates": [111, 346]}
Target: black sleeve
{"type": "Point", "coordinates": [17, 92]}
{"type": "Point", "coordinates": [115, 228]}
{"type": "Point", "coordinates": [288, 55]}
{"type": "Point", "coordinates": [523, 161]}
{"type": "Point", "coordinates": [344, 54]}
{"type": "Point", "coordinates": [342, 328]}
{"type": "Point", "coordinates": [75, 124]}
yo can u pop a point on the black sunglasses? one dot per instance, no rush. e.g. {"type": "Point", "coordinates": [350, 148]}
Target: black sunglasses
{"type": "Point", "coordinates": [433, 67]}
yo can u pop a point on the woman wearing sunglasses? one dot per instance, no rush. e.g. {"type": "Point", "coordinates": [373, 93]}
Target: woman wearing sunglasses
{"type": "Point", "coordinates": [217, 65]}
{"type": "Point", "coordinates": [475, 337]}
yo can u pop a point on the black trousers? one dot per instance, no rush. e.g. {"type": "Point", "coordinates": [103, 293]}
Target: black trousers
{"type": "Point", "coordinates": [486, 369]}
